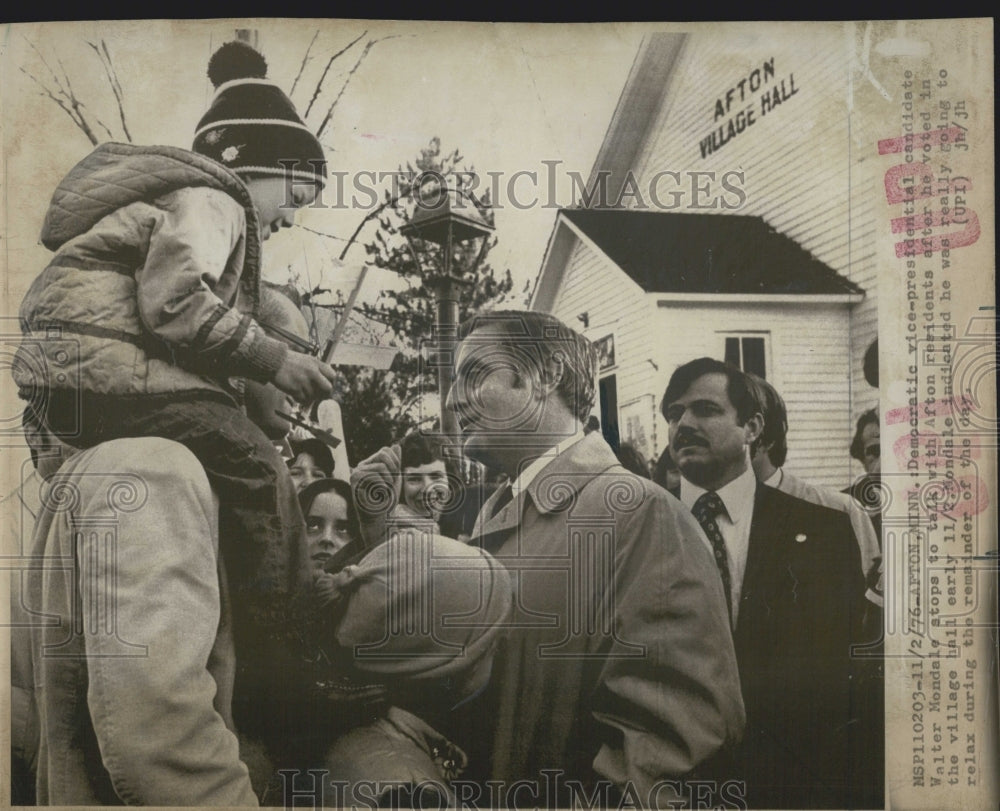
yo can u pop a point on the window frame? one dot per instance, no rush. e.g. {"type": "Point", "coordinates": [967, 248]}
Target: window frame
{"type": "Point", "coordinates": [741, 335]}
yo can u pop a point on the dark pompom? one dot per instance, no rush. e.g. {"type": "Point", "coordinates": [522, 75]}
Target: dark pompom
{"type": "Point", "coordinates": [236, 60]}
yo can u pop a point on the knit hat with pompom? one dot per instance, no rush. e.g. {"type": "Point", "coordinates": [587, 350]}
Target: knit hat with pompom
{"type": "Point", "coordinates": [252, 126]}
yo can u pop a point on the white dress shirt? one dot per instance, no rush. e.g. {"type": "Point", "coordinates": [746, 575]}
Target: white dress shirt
{"type": "Point", "coordinates": [734, 524]}
{"type": "Point", "coordinates": [526, 476]}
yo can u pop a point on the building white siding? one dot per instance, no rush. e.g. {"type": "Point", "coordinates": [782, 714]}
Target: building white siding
{"type": "Point", "coordinates": [802, 164]}
{"type": "Point", "coordinates": [805, 187]}
{"type": "Point", "coordinates": [615, 305]}
{"type": "Point", "coordinates": [807, 357]}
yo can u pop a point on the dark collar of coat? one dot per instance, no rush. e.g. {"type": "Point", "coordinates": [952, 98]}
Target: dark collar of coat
{"type": "Point", "coordinates": [554, 488]}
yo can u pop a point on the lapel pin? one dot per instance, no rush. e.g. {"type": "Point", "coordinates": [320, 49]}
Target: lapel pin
{"type": "Point", "coordinates": [800, 538]}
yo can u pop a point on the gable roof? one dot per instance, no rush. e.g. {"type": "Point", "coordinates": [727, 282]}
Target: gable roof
{"type": "Point", "coordinates": [639, 106]}
{"type": "Point", "coordinates": [665, 252]}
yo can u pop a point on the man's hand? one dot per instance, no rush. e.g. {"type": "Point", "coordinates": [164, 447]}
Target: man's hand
{"type": "Point", "coordinates": [375, 485]}
{"type": "Point", "coordinates": [305, 378]}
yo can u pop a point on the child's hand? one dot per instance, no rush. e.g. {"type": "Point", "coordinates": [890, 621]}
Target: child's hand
{"type": "Point", "coordinates": [375, 485]}
{"type": "Point", "coordinates": [325, 590]}
{"type": "Point", "coordinates": [305, 378]}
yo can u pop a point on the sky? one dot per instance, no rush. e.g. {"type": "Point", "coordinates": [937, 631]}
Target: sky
{"type": "Point", "coordinates": [512, 98]}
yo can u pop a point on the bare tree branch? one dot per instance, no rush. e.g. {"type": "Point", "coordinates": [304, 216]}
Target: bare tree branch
{"type": "Point", "coordinates": [50, 94]}
{"type": "Point", "coordinates": [114, 73]}
{"type": "Point", "coordinates": [389, 203]}
{"type": "Point", "coordinates": [45, 62]}
{"type": "Point", "coordinates": [109, 70]}
{"type": "Point", "coordinates": [319, 233]}
{"type": "Point", "coordinates": [61, 92]}
{"type": "Point", "coordinates": [69, 86]}
{"type": "Point", "coordinates": [302, 67]}
{"type": "Point", "coordinates": [104, 127]}
{"type": "Point", "coordinates": [319, 84]}
{"type": "Point", "coordinates": [313, 333]}
{"type": "Point", "coordinates": [347, 81]}
{"type": "Point", "coordinates": [78, 106]}
{"type": "Point", "coordinates": [364, 312]}
{"type": "Point", "coordinates": [82, 122]}
{"type": "Point", "coordinates": [74, 114]}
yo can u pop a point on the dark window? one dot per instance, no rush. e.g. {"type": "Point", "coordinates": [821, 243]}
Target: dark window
{"type": "Point", "coordinates": [733, 351]}
{"type": "Point", "coordinates": [746, 352]}
{"type": "Point", "coordinates": [608, 391]}
{"type": "Point", "coordinates": [753, 356]}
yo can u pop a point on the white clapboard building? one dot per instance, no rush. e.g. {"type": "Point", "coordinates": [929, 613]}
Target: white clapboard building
{"type": "Point", "coordinates": [777, 275]}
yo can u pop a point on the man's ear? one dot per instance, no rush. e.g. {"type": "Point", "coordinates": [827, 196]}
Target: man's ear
{"type": "Point", "coordinates": [553, 372]}
{"type": "Point", "coordinates": [753, 428]}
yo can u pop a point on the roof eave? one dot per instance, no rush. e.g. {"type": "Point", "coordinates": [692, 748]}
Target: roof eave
{"type": "Point", "coordinates": [848, 299]}
{"type": "Point", "coordinates": [553, 269]}
{"type": "Point", "coordinates": [638, 107]}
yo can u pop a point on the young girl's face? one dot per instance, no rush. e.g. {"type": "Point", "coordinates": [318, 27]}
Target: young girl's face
{"type": "Point", "coordinates": [327, 527]}
{"type": "Point", "coordinates": [305, 471]}
{"type": "Point", "coordinates": [425, 488]}
{"type": "Point", "coordinates": [277, 199]}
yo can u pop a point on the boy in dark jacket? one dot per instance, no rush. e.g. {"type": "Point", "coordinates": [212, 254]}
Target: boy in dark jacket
{"type": "Point", "coordinates": [155, 283]}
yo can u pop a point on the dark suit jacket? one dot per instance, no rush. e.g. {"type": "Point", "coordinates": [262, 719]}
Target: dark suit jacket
{"type": "Point", "coordinates": [800, 613]}
{"type": "Point", "coordinates": [619, 663]}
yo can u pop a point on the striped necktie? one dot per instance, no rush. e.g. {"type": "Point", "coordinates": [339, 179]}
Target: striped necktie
{"type": "Point", "coordinates": [705, 509]}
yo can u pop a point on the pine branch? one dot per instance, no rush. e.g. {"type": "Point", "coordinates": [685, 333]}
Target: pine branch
{"type": "Point", "coordinates": [386, 403]}
{"type": "Point", "coordinates": [302, 67]}
{"type": "Point", "coordinates": [319, 84]}
{"type": "Point", "coordinates": [347, 81]}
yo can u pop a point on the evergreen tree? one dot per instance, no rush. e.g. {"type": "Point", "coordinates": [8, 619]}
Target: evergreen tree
{"type": "Point", "coordinates": [380, 407]}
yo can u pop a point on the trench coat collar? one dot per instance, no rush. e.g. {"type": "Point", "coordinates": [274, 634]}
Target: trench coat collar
{"type": "Point", "coordinates": [555, 486]}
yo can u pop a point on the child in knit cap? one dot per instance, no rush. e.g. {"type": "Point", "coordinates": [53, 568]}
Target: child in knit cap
{"type": "Point", "coordinates": [144, 322]}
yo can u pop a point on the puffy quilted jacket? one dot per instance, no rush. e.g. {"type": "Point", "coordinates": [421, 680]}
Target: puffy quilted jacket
{"type": "Point", "coordinates": [154, 283]}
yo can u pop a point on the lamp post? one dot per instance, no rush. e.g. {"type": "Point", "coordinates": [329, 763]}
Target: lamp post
{"type": "Point", "coordinates": [447, 234]}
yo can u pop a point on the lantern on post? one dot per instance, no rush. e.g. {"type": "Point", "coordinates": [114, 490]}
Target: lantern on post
{"type": "Point", "coordinates": [448, 235]}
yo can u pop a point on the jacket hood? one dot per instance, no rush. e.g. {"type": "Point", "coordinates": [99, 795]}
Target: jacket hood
{"type": "Point", "coordinates": [115, 175]}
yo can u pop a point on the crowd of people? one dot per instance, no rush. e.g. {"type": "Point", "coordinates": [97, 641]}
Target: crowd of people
{"type": "Point", "coordinates": [230, 624]}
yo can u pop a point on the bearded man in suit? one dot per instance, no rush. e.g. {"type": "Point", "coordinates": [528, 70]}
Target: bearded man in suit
{"type": "Point", "coordinates": [616, 676]}
{"type": "Point", "coordinates": [792, 574]}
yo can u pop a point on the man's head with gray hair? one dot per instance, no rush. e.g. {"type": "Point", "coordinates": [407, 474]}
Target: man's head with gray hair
{"type": "Point", "coordinates": [523, 382]}
{"type": "Point", "coordinates": [536, 340]}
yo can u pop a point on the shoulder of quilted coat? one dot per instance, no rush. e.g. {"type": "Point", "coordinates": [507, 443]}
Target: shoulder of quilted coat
{"type": "Point", "coordinates": [115, 175]}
